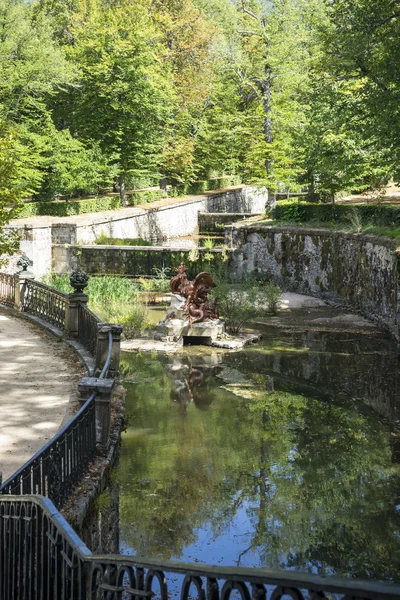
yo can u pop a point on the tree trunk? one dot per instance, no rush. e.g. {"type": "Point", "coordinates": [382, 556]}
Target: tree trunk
{"type": "Point", "coordinates": [267, 115]}
{"type": "Point", "coordinates": [122, 189]}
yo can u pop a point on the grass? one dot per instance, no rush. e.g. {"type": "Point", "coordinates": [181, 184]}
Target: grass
{"type": "Point", "coordinates": [389, 232]}
{"type": "Point", "coordinates": [101, 290]}
{"type": "Point", "coordinates": [104, 240]}
{"type": "Point", "coordinates": [113, 299]}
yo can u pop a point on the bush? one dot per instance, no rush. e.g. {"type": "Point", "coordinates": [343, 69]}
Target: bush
{"type": "Point", "coordinates": [90, 205]}
{"type": "Point", "coordinates": [235, 305]}
{"type": "Point", "coordinates": [133, 316]}
{"type": "Point", "coordinates": [158, 283]}
{"type": "Point", "coordinates": [68, 209]}
{"type": "Point", "coordinates": [206, 185]}
{"type": "Point", "coordinates": [273, 297]}
{"type": "Point", "coordinates": [303, 212]}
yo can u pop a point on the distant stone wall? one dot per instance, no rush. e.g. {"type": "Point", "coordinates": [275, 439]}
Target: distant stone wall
{"type": "Point", "coordinates": [176, 219]}
{"type": "Point", "coordinates": [215, 222]}
{"type": "Point", "coordinates": [359, 270]}
{"type": "Point", "coordinates": [133, 261]}
{"type": "Point", "coordinates": [166, 222]}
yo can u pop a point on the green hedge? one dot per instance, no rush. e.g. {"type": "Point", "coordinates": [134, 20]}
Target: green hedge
{"type": "Point", "coordinates": [67, 209]}
{"type": "Point", "coordinates": [144, 197]}
{"type": "Point", "coordinates": [303, 212]}
{"type": "Point", "coordinates": [206, 185]}
{"type": "Point", "coordinates": [91, 205]}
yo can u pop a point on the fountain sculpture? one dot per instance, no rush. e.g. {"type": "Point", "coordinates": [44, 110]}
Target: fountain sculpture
{"type": "Point", "coordinates": [191, 313]}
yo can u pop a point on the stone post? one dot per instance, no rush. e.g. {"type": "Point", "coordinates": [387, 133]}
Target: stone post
{"type": "Point", "coordinates": [104, 389]}
{"type": "Point", "coordinates": [20, 288]}
{"type": "Point", "coordinates": [72, 316]}
{"type": "Point", "coordinates": [102, 348]}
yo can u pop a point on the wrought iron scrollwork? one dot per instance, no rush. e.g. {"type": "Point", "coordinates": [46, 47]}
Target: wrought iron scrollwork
{"type": "Point", "coordinates": [55, 475]}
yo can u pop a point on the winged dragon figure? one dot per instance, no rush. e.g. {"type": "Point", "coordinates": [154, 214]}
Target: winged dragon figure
{"type": "Point", "coordinates": [197, 306]}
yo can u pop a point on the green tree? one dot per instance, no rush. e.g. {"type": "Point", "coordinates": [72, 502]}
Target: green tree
{"type": "Point", "coordinates": [123, 102]}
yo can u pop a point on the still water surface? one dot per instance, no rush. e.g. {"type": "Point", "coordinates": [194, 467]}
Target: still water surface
{"type": "Point", "coordinates": [284, 455]}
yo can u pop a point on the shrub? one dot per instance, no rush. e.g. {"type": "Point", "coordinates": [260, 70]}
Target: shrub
{"type": "Point", "coordinates": [158, 283]}
{"type": "Point", "coordinates": [235, 305]}
{"type": "Point", "coordinates": [301, 212]}
{"type": "Point", "coordinates": [90, 205]}
{"type": "Point", "coordinates": [273, 296]}
{"type": "Point", "coordinates": [206, 185]}
{"type": "Point", "coordinates": [133, 316]}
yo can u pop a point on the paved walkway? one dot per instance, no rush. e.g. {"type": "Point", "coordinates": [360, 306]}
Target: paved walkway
{"type": "Point", "coordinates": [38, 389]}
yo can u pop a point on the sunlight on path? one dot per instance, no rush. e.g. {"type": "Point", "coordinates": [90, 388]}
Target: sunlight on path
{"type": "Point", "coordinates": [38, 383]}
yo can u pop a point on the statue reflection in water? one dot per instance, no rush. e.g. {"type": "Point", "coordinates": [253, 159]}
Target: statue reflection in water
{"type": "Point", "coordinates": [191, 382]}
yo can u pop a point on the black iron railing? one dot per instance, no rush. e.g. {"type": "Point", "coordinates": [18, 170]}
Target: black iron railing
{"type": "Point", "coordinates": [46, 302]}
{"type": "Point", "coordinates": [62, 462]}
{"type": "Point", "coordinates": [49, 561]}
{"type": "Point", "coordinates": [87, 328]}
{"type": "Point", "coordinates": [7, 289]}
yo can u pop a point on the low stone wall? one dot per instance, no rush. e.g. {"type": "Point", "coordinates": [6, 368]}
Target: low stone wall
{"type": "Point", "coordinates": [133, 261]}
{"type": "Point", "coordinates": [165, 222]}
{"type": "Point", "coordinates": [176, 218]}
{"type": "Point", "coordinates": [215, 222]}
{"type": "Point", "coordinates": [359, 270]}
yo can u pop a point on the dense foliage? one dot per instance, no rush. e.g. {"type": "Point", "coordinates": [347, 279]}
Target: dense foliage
{"type": "Point", "coordinates": [288, 93]}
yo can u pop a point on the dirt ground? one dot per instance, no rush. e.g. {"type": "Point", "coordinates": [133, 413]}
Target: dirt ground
{"type": "Point", "coordinates": [388, 195]}
{"type": "Point", "coordinates": [38, 383]}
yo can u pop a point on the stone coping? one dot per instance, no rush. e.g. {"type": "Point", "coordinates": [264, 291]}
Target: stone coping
{"type": "Point", "coordinates": [120, 213]}
{"type": "Point", "coordinates": [375, 239]}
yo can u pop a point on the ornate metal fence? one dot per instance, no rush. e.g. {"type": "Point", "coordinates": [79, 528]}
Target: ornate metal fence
{"type": "Point", "coordinates": [61, 463]}
{"type": "Point", "coordinates": [7, 289]}
{"type": "Point", "coordinates": [45, 302]}
{"type": "Point", "coordinates": [87, 328]}
{"type": "Point", "coordinates": [49, 561]}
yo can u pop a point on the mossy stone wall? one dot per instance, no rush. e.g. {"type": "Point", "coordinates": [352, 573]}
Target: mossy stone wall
{"type": "Point", "coordinates": [359, 270]}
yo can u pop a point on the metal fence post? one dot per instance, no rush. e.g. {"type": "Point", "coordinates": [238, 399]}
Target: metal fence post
{"type": "Point", "coordinates": [17, 292]}
{"type": "Point", "coordinates": [72, 313]}
{"type": "Point", "coordinates": [102, 348]}
{"type": "Point", "coordinates": [23, 277]}
{"type": "Point", "coordinates": [104, 389]}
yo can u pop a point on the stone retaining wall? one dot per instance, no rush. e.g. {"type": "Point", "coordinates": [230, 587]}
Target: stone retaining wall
{"type": "Point", "coordinates": [133, 261]}
{"type": "Point", "coordinates": [172, 220]}
{"type": "Point", "coordinates": [215, 222]}
{"type": "Point", "coordinates": [359, 270]}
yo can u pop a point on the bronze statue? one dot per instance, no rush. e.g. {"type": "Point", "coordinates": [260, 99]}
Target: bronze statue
{"type": "Point", "coordinates": [197, 306]}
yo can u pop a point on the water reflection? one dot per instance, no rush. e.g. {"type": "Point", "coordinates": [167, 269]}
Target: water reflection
{"type": "Point", "coordinates": [192, 380]}
{"type": "Point", "coordinates": [288, 467]}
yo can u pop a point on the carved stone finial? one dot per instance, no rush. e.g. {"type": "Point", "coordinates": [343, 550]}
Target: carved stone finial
{"type": "Point", "coordinates": [24, 262]}
{"type": "Point", "coordinates": [78, 280]}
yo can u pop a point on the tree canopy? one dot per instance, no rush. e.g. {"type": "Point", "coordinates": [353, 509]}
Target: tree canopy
{"type": "Point", "coordinates": [287, 93]}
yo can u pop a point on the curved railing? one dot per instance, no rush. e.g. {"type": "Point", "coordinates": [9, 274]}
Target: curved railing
{"type": "Point", "coordinates": [45, 302]}
{"type": "Point", "coordinates": [42, 558]}
{"type": "Point", "coordinates": [61, 567]}
{"type": "Point", "coordinates": [62, 462]}
{"type": "Point", "coordinates": [87, 328]}
{"type": "Point", "coordinates": [8, 285]}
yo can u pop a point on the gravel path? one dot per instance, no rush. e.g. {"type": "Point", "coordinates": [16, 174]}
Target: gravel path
{"type": "Point", "coordinates": [38, 389]}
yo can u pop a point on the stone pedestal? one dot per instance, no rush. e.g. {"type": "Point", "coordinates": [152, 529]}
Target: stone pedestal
{"type": "Point", "coordinates": [176, 330]}
{"type": "Point", "coordinates": [72, 316]}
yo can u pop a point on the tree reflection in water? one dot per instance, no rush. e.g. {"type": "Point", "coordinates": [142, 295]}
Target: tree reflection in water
{"type": "Point", "coordinates": [267, 476]}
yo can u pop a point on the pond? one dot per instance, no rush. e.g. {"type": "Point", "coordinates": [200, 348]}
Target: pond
{"type": "Point", "coordinates": [284, 455]}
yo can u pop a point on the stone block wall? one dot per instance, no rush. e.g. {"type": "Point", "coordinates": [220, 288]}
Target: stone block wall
{"type": "Point", "coordinates": [35, 242]}
{"type": "Point", "coordinates": [133, 261]}
{"type": "Point", "coordinates": [215, 222]}
{"type": "Point", "coordinates": [170, 221]}
{"type": "Point", "coordinates": [359, 270]}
